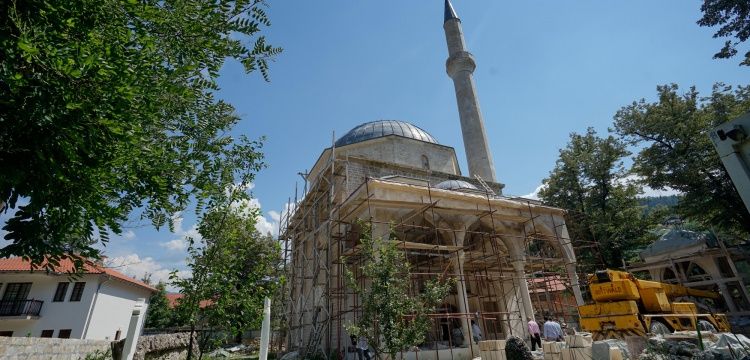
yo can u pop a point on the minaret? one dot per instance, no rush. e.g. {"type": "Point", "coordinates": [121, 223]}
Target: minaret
{"type": "Point", "coordinates": [460, 66]}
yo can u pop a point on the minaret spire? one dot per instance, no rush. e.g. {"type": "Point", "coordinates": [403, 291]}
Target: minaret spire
{"type": "Point", "coordinates": [449, 12]}
{"type": "Point", "coordinates": [460, 67]}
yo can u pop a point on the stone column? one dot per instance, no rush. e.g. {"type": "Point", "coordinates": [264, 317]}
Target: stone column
{"type": "Point", "coordinates": [520, 274]}
{"type": "Point", "coordinates": [461, 296]}
{"type": "Point", "coordinates": [712, 269]}
{"type": "Point", "coordinates": [727, 297]}
{"type": "Point", "coordinates": [575, 283]}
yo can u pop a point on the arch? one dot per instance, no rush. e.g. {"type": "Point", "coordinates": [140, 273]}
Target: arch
{"type": "Point", "coordinates": [695, 272]}
{"type": "Point", "coordinates": [425, 162]}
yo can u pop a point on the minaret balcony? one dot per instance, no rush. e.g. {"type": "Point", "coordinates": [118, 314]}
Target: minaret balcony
{"type": "Point", "coordinates": [460, 62]}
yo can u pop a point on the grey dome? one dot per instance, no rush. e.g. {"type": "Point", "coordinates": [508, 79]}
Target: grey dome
{"type": "Point", "coordinates": [380, 128]}
{"type": "Point", "coordinates": [456, 185]}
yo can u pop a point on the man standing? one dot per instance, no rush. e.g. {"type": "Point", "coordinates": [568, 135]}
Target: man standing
{"type": "Point", "coordinates": [552, 330]}
{"type": "Point", "coordinates": [536, 336]}
{"type": "Point", "coordinates": [363, 348]}
{"type": "Point", "coordinates": [476, 332]}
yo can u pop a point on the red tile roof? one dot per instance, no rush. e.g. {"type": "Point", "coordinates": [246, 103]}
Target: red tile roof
{"type": "Point", "coordinates": [17, 264]}
{"type": "Point", "coordinates": [173, 299]}
{"type": "Point", "coordinates": [546, 284]}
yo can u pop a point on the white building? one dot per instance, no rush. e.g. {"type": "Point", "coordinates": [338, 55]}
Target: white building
{"type": "Point", "coordinates": [96, 305]}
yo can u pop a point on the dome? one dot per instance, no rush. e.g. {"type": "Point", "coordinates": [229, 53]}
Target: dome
{"type": "Point", "coordinates": [380, 128]}
{"type": "Point", "coordinates": [456, 185]}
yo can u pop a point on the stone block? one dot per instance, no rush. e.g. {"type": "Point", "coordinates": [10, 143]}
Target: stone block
{"type": "Point", "coordinates": [600, 350]}
{"type": "Point", "coordinates": [578, 340]}
{"type": "Point", "coordinates": [552, 347]}
{"type": "Point", "coordinates": [615, 354]}
{"type": "Point", "coordinates": [577, 354]}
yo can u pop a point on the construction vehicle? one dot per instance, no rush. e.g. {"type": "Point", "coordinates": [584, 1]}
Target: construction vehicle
{"type": "Point", "coordinates": [626, 306]}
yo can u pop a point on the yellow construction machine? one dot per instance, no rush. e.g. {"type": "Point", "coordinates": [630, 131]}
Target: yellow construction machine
{"type": "Point", "coordinates": [624, 305]}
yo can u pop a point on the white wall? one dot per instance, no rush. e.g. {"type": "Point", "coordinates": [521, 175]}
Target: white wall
{"type": "Point", "coordinates": [111, 312]}
{"type": "Point", "coordinates": [54, 315]}
{"type": "Point", "coordinates": [113, 308]}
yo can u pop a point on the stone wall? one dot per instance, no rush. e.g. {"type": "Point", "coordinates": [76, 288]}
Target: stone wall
{"type": "Point", "coordinates": [49, 348]}
{"type": "Point", "coordinates": [164, 347]}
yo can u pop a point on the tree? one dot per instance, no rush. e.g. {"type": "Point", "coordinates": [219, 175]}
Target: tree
{"type": "Point", "coordinates": [159, 314]}
{"type": "Point", "coordinates": [392, 318]}
{"type": "Point", "coordinates": [676, 151]}
{"type": "Point", "coordinates": [590, 180]}
{"type": "Point", "coordinates": [108, 108]}
{"type": "Point", "coordinates": [734, 18]}
{"type": "Point", "coordinates": [233, 269]}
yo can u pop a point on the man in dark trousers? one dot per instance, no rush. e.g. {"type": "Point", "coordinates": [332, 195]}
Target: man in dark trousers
{"type": "Point", "coordinates": [535, 334]}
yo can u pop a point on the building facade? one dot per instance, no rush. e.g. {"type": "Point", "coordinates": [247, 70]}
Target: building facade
{"type": "Point", "coordinates": [400, 180]}
{"type": "Point", "coordinates": [96, 305]}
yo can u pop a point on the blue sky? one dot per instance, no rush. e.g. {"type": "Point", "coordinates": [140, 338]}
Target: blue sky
{"type": "Point", "coordinates": [544, 69]}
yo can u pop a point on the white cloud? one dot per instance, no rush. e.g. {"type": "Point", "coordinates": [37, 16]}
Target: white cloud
{"type": "Point", "coordinates": [275, 216]}
{"type": "Point", "coordinates": [180, 244]}
{"type": "Point", "coordinates": [175, 245]}
{"type": "Point", "coordinates": [135, 266]}
{"type": "Point", "coordinates": [534, 195]}
{"type": "Point", "coordinates": [128, 235]}
{"type": "Point", "coordinates": [647, 191]}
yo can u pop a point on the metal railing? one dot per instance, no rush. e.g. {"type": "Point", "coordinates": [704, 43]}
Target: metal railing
{"type": "Point", "coordinates": [20, 307]}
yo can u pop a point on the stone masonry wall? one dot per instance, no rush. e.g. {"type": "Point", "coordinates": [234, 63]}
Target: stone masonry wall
{"type": "Point", "coordinates": [164, 347]}
{"type": "Point", "coordinates": [49, 348]}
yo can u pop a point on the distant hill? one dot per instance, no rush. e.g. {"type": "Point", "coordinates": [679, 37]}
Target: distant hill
{"type": "Point", "coordinates": [654, 201]}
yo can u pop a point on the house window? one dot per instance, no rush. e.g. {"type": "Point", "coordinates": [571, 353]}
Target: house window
{"type": "Point", "coordinates": [6, 333]}
{"type": "Point", "coordinates": [64, 334]}
{"type": "Point", "coordinates": [47, 333]}
{"type": "Point", "coordinates": [62, 289]}
{"type": "Point", "coordinates": [425, 162]}
{"type": "Point", "coordinates": [16, 291]}
{"type": "Point", "coordinates": [77, 292]}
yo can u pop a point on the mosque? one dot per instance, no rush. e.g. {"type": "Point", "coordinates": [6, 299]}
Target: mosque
{"type": "Point", "coordinates": [508, 255]}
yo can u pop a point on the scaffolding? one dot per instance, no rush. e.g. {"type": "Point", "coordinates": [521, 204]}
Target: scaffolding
{"type": "Point", "coordinates": [321, 227]}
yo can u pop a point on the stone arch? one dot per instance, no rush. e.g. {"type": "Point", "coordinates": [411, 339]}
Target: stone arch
{"type": "Point", "coordinates": [425, 162]}
{"type": "Point", "coordinates": [668, 275]}
{"type": "Point", "coordinates": [695, 272]}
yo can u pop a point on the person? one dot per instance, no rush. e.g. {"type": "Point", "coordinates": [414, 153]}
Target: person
{"type": "Point", "coordinates": [457, 335]}
{"type": "Point", "coordinates": [476, 332]}
{"type": "Point", "coordinates": [552, 330]}
{"type": "Point", "coordinates": [363, 348]}
{"type": "Point", "coordinates": [536, 336]}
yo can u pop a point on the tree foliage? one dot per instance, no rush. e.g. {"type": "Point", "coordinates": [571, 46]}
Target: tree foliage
{"type": "Point", "coordinates": [393, 318]}
{"type": "Point", "coordinates": [733, 17]}
{"type": "Point", "coordinates": [676, 151]}
{"type": "Point", "coordinates": [108, 106]}
{"type": "Point", "coordinates": [159, 314]}
{"type": "Point", "coordinates": [590, 180]}
{"type": "Point", "coordinates": [233, 269]}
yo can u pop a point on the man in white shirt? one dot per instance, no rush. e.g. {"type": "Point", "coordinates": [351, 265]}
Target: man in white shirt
{"type": "Point", "coordinates": [552, 330]}
{"type": "Point", "coordinates": [363, 348]}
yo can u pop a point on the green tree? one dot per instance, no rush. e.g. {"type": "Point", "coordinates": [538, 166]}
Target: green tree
{"type": "Point", "coordinates": [393, 319]}
{"type": "Point", "coordinates": [233, 269]}
{"type": "Point", "coordinates": [108, 110]}
{"type": "Point", "coordinates": [590, 180]}
{"type": "Point", "coordinates": [159, 314]}
{"type": "Point", "coordinates": [676, 151]}
{"type": "Point", "coordinates": [734, 18]}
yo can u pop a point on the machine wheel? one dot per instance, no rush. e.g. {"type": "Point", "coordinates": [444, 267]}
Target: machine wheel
{"type": "Point", "coordinates": [658, 327]}
{"type": "Point", "coordinates": [706, 325]}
